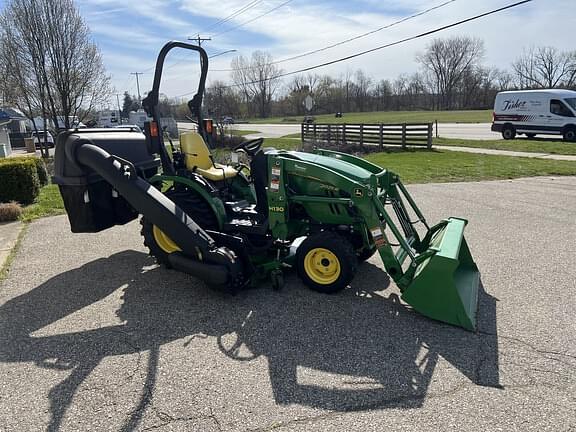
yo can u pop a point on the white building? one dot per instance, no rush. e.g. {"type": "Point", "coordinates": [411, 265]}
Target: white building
{"type": "Point", "coordinates": [5, 147]}
{"type": "Point", "coordinates": [138, 118]}
{"type": "Point", "coordinates": [109, 118]}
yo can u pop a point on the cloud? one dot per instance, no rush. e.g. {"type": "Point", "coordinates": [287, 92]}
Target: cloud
{"type": "Point", "coordinates": [302, 26]}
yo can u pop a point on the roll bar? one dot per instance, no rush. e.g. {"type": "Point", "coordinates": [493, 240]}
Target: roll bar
{"type": "Point", "coordinates": [150, 102]}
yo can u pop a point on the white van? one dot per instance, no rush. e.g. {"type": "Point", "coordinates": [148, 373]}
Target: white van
{"type": "Point", "coordinates": [533, 112]}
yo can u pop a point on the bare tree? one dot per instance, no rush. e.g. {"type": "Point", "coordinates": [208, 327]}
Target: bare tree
{"type": "Point", "coordinates": [545, 67]}
{"type": "Point", "coordinates": [399, 90]}
{"type": "Point", "coordinates": [361, 89]}
{"type": "Point", "coordinates": [52, 61]}
{"type": "Point", "coordinates": [258, 79]}
{"type": "Point", "coordinates": [446, 61]}
{"type": "Point", "coordinates": [298, 88]}
{"type": "Point", "coordinates": [24, 83]}
{"type": "Point", "coordinates": [503, 80]}
{"type": "Point", "coordinates": [222, 100]}
{"type": "Point", "coordinates": [382, 93]}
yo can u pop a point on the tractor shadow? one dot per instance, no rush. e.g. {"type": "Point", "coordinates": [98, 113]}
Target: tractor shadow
{"type": "Point", "coordinates": [357, 350]}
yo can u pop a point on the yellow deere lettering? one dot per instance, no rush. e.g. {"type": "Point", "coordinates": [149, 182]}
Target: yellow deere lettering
{"type": "Point", "coordinates": [276, 209]}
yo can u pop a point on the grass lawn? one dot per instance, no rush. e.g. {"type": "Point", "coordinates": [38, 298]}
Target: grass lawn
{"type": "Point", "coordinates": [418, 166]}
{"type": "Point", "coordinates": [478, 116]}
{"type": "Point", "coordinates": [523, 145]}
{"type": "Point", "coordinates": [423, 166]}
{"type": "Point", "coordinates": [48, 203]}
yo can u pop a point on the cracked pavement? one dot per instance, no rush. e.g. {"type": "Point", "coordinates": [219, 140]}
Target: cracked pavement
{"type": "Point", "coordinates": [95, 336]}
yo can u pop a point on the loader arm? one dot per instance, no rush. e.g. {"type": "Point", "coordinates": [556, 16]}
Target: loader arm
{"type": "Point", "coordinates": [435, 272]}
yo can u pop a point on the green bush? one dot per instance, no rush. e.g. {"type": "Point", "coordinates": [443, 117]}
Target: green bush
{"type": "Point", "coordinates": [40, 167]}
{"type": "Point", "coordinates": [19, 180]}
{"type": "Point", "coordinates": [42, 171]}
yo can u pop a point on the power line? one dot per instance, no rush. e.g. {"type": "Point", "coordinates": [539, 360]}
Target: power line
{"type": "Point", "coordinates": [125, 83]}
{"type": "Point", "coordinates": [395, 23]}
{"type": "Point", "coordinates": [234, 15]}
{"type": "Point", "coordinates": [411, 38]}
{"type": "Point", "coordinates": [416, 15]}
{"type": "Point", "coordinates": [254, 19]}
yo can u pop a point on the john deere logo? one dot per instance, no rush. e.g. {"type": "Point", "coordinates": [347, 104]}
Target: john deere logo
{"type": "Point", "coordinates": [299, 168]}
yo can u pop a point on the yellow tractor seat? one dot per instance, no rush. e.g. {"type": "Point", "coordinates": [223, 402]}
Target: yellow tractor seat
{"type": "Point", "coordinates": [198, 158]}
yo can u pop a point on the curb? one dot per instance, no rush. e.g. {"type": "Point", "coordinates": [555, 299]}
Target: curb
{"type": "Point", "coordinates": [9, 236]}
{"type": "Point", "coordinates": [512, 153]}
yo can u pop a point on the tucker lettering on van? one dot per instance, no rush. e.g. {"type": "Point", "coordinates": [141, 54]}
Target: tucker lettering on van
{"type": "Point", "coordinates": [510, 104]}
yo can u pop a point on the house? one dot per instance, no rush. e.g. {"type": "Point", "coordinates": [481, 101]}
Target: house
{"type": "Point", "coordinates": [14, 124]}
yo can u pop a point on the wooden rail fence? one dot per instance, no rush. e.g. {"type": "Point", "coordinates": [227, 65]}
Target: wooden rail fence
{"type": "Point", "coordinates": [404, 134]}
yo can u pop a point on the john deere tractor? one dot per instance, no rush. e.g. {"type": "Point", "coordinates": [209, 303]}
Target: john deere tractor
{"type": "Point", "coordinates": [232, 226]}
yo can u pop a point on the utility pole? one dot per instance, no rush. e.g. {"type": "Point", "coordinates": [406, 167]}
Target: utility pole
{"type": "Point", "coordinates": [200, 39]}
{"type": "Point", "coordinates": [138, 84]}
{"type": "Point", "coordinates": [119, 112]}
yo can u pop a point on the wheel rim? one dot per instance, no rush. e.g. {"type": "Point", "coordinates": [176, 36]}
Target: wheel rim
{"type": "Point", "coordinates": [322, 266]}
{"type": "Point", "coordinates": [163, 241]}
{"type": "Point", "coordinates": [570, 135]}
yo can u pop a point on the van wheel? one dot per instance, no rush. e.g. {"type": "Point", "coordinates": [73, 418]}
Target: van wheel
{"type": "Point", "coordinates": [570, 134]}
{"type": "Point", "coordinates": [508, 132]}
{"type": "Point", "coordinates": [530, 135]}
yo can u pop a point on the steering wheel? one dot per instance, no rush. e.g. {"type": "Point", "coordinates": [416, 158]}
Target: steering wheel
{"type": "Point", "coordinates": [250, 147]}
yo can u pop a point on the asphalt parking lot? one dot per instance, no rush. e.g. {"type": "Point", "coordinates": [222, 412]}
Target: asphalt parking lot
{"type": "Point", "coordinates": [94, 336]}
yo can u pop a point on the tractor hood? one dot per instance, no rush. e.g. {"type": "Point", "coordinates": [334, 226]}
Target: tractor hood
{"type": "Point", "coordinates": [341, 167]}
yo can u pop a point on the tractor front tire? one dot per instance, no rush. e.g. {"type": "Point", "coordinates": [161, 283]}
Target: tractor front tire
{"type": "Point", "coordinates": [326, 262]}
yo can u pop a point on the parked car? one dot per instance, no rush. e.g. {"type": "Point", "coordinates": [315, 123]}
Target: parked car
{"type": "Point", "coordinates": [129, 126]}
{"type": "Point", "coordinates": [39, 138]}
{"type": "Point", "coordinates": [532, 112]}
{"type": "Point", "coordinates": [309, 119]}
{"type": "Point", "coordinates": [227, 120]}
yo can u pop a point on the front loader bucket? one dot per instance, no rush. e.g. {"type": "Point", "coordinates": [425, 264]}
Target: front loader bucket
{"type": "Point", "coordinates": [445, 286]}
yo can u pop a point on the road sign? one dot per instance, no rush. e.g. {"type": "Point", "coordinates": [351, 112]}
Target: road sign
{"type": "Point", "coordinates": [308, 102]}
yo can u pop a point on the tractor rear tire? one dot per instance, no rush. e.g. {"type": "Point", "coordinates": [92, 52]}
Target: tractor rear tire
{"type": "Point", "coordinates": [160, 245]}
{"type": "Point", "coordinates": [326, 262]}
{"type": "Point", "coordinates": [153, 244]}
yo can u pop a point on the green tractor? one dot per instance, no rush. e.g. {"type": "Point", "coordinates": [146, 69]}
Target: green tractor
{"type": "Point", "coordinates": [322, 213]}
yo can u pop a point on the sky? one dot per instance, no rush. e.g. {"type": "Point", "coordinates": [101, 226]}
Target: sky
{"type": "Point", "coordinates": [131, 33]}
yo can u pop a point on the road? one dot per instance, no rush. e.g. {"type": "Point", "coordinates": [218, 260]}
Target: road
{"type": "Point", "coordinates": [474, 131]}
{"type": "Point", "coordinates": [94, 336]}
